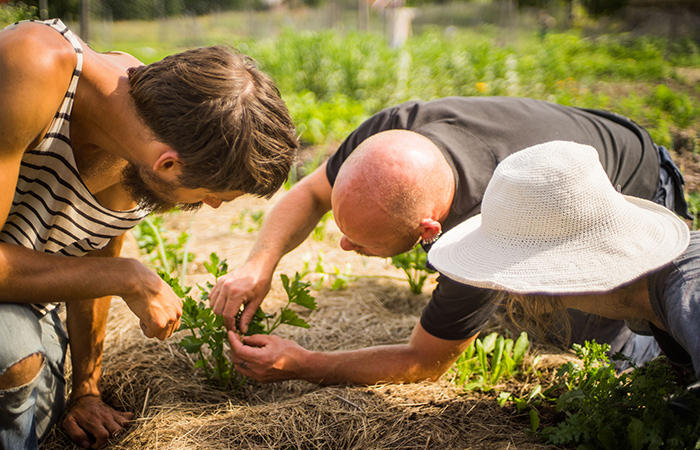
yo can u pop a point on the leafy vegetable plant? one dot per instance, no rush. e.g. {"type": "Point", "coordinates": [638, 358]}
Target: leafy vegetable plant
{"type": "Point", "coordinates": [414, 265]}
{"type": "Point", "coordinates": [207, 338]}
{"type": "Point", "coordinates": [640, 409]}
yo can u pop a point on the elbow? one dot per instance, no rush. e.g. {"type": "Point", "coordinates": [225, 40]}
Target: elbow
{"type": "Point", "coordinates": [426, 371]}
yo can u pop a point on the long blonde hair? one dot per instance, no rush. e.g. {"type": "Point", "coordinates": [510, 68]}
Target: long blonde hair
{"type": "Point", "coordinates": [541, 315]}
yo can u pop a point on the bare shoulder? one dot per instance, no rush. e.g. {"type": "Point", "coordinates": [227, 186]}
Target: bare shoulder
{"type": "Point", "coordinates": [36, 64]}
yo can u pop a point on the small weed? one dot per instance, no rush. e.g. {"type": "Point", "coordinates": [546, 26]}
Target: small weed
{"type": "Point", "coordinates": [414, 265]}
{"type": "Point", "coordinates": [641, 409]}
{"type": "Point", "coordinates": [164, 254]}
{"type": "Point", "coordinates": [249, 221]}
{"type": "Point", "coordinates": [486, 362]}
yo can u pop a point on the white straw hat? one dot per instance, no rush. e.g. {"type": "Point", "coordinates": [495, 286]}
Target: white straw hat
{"type": "Point", "coordinates": [552, 223]}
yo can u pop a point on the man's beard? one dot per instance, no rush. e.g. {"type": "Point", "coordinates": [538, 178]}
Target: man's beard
{"type": "Point", "coordinates": [133, 180]}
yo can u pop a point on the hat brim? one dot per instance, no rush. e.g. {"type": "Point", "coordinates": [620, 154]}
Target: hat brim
{"type": "Point", "coordinates": [469, 255]}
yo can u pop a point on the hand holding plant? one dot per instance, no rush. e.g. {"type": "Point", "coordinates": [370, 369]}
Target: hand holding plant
{"type": "Point", "coordinates": [208, 336]}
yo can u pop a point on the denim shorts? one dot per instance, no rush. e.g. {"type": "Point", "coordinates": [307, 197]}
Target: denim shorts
{"type": "Point", "coordinates": [28, 412]}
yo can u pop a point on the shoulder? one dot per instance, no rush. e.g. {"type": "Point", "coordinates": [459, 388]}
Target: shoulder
{"type": "Point", "coordinates": [35, 49]}
{"type": "Point", "coordinates": [36, 65]}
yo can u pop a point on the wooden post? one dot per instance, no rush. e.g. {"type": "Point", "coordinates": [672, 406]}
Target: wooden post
{"type": "Point", "coordinates": [363, 15]}
{"type": "Point", "coordinates": [43, 9]}
{"type": "Point", "coordinates": [85, 20]}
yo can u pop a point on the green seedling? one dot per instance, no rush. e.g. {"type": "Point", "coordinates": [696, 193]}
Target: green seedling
{"type": "Point", "coordinates": [249, 221]}
{"type": "Point", "coordinates": [319, 231]}
{"type": "Point", "coordinates": [486, 362]}
{"type": "Point", "coordinates": [336, 278]}
{"type": "Point", "coordinates": [414, 265]}
{"type": "Point", "coordinates": [207, 339]}
{"type": "Point", "coordinates": [161, 253]}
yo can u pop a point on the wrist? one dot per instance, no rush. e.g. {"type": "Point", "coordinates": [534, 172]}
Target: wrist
{"type": "Point", "coordinates": [135, 279]}
{"type": "Point", "coordinates": [313, 367]}
{"type": "Point", "coordinates": [78, 394]}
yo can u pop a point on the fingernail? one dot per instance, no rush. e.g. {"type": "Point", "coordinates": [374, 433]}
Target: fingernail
{"type": "Point", "coordinates": [85, 444]}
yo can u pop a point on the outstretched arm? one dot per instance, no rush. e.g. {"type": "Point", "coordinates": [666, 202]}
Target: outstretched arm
{"type": "Point", "coordinates": [285, 227]}
{"type": "Point", "coordinates": [271, 358]}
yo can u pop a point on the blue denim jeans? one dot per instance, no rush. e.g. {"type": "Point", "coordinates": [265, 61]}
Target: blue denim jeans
{"type": "Point", "coordinates": [28, 412]}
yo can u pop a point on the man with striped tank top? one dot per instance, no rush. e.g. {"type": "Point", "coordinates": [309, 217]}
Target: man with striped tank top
{"type": "Point", "coordinates": [90, 143]}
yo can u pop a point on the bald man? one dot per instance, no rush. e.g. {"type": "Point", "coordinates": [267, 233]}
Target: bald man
{"type": "Point", "coordinates": [404, 176]}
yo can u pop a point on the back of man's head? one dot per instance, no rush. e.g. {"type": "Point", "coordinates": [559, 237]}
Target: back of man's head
{"type": "Point", "coordinates": [393, 177]}
{"type": "Point", "coordinates": [223, 116]}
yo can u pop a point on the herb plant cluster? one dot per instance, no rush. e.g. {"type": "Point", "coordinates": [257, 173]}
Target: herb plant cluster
{"type": "Point", "coordinates": [207, 338]}
{"type": "Point", "coordinates": [640, 409]}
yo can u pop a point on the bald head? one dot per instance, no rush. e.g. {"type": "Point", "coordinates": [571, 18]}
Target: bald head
{"type": "Point", "coordinates": [388, 185]}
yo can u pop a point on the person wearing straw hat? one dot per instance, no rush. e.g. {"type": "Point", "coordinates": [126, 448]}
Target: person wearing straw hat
{"type": "Point", "coordinates": [554, 233]}
{"type": "Point", "coordinates": [403, 176]}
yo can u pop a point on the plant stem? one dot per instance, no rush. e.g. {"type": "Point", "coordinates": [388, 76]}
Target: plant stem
{"type": "Point", "coordinates": [161, 246]}
{"type": "Point", "coordinates": [201, 357]}
{"type": "Point", "coordinates": [185, 256]}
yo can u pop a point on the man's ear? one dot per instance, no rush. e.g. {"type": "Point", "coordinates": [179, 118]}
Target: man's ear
{"type": "Point", "coordinates": [168, 164]}
{"type": "Point", "coordinates": [429, 228]}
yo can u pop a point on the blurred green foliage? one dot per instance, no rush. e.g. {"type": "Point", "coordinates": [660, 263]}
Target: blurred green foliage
{"type": "Point", "coordinates": [12, 12]}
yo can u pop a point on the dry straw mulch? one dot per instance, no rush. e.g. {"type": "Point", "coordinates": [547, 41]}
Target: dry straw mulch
{"type": "Point", "coordinates": [177, 409]}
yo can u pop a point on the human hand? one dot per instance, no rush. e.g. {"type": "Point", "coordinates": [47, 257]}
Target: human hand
{"type": "Point", "coordinates": [245, 286]}
{"type": "Point", "coordinates": [90, 422]}
{"type": "Point", "coordinates": [156, 305]}
{"type": "Point", "coordinates": [266, 358]}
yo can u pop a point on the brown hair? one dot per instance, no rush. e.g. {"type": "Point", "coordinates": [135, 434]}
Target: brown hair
{"type": "Point", "coordinates": [223, 116]}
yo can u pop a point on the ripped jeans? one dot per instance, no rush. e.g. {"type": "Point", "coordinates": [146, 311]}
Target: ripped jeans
{"type": "Point", "coordinates": [28, 412]}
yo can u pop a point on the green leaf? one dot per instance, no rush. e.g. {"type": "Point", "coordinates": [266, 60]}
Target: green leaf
{"type": "Point", "coordinates": [521, 346]}
{"type": "Point", "coordinates": [191, 344]}
{"type": "Point", "coordinates": [489, 342]}
{"type": "Point", "coordinates": [636, 433]}
{"type": "Point", "coordinates": [606, 436]}
{"type": "Point", "coordinates": [289, 317]}
{"type": "Point", "coordinates": [534, 420]}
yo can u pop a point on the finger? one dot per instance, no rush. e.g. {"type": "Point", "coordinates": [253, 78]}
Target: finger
{"type": "Point", "coordinates": [214, 298]}
{"type": "Point", "coordinates": [176, 326]}
{"type": "Point", "coordinates": [246, 317]}
{"type": "Point", "coordinates": [257, 340]}
{"type": "Point", "coordinates": [123, 418]}
{"type": "Point", "coordinates": [243, 368]}
{"type": "Point", "coordinates": [76, 433]}
{"type": "Point", "coordinates": [112, 426]}
{"type": "Point", "coordinates": [146, 330]}
{"type": "Point", "coordinates": [236, 345]}
{"type": "Point", "coordinates": [101, 435]}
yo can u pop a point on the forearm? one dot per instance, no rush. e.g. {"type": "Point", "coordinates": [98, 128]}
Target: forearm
{"type": "Point", "coordinates": [372, 365]}
{"type": "Point", "coordinates": [286, 226]}
{"type": "Point", "coordinates": [28, 276]}
{"type": "Point", "coordinates": [86, 320]}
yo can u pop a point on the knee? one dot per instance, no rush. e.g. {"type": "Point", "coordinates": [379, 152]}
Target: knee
{"type": "Point", "coordinates": [22, 372]}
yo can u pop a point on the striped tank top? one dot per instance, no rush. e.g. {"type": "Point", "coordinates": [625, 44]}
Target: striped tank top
{"type": "Point", "coordinates": [52, 210]}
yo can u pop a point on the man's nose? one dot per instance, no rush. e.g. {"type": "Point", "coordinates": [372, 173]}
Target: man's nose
{"type": "Point", "coordinates": [213, 202]}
